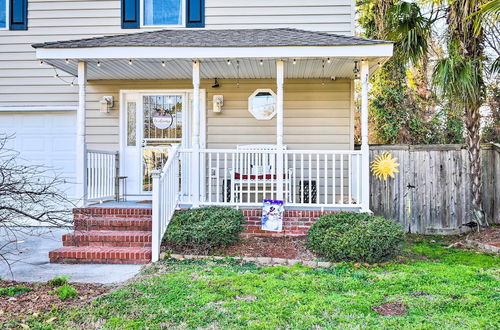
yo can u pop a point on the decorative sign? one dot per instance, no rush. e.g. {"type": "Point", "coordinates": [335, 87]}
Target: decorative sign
{"type": "Point", "coordinates": [162, 120]}
{"type": "Point", "coordinates": [272, 215]}
{"type": "Point", "coordinates": [384, 165]}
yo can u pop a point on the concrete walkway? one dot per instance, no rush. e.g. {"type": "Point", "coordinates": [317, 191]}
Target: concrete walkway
{"type": "Point", "coordinates": [30, 261]}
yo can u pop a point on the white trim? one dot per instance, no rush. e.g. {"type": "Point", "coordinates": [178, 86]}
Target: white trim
{"type": "Point", "coordinates": [38, 108]}
{"type": "Point", "coordinates": [366, 51]}
{"type": "Point", "coordinates": [365, 149]}
{"type": "Point", "coordinates": [81, 154]}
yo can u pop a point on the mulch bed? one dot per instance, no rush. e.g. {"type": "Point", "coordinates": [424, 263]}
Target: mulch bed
{"type": "Point", "coordinates": [271, 247]}
{"type": "Point", "coordinates": [39, 299]}
{"type": "Point", "coordinates": [490, 236]}
{"type": "Point", "coordinates": [396, 308]}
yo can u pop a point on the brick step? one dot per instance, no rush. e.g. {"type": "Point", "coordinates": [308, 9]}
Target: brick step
{"type": "Point", "coordinates": [101, 255]}
{"type": "Point", "coordinates": [113, 223]}
{"type": "Point", "coordinates": [108, 238]}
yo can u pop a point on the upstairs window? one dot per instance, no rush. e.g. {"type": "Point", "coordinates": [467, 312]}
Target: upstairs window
{"type": "Point", "coordinates": [163, 12]}
{"type": "Point", "coordinates": [3, 14]}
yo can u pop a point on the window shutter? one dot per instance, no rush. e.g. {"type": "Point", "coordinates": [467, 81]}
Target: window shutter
{"type": "Point", "coordinates": [18, 14]}
{"type": "Point", "coordinates": [195, 13]}
{"type": "Point", "coordinates": [130, 14]}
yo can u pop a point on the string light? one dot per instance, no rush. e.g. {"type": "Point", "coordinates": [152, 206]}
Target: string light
{"type": "Point", "coordinates": [129, 62]}
{"type": "Point", "coordinates": [56, 75]}
{"type": "Point", "coordinates": [98, 63]}
{"type": "Point", "coordinates": [261, 62]}
{"type": "Point", "coordinates": [41, 62]}
{"type": "Point", "coordinates": [67, 61]}
{"type": "Point", "coordinates": [163, 63]}
{"type": "Point", "coordinates": [328, 60]}
{"type": "Point", "coordinates": [294, 61]}
{"type": "Point", "coordinates": [228, 62]}
{"type": "Point", "coordinates": [72, 84]}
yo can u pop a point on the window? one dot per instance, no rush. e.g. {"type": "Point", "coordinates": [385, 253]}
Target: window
{"type": "Point", "coordinates": [262, 104]}
{"type": "Point", "coordinates": [3, 14]}
{"type": "Point", "coordinates": [163, 12]}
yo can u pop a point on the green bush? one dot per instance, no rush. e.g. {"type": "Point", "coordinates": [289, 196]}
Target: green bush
{"type": "Point", "coordinates": [355, 237]}
{"type": "Point", "coordinates": [13, 290]}
{"type": "Point", "coordinates": [205, 228]}
{"type": "Point", "coordinates": [66, 291]}
{"type": "Point", "coordinates": [58, 281]}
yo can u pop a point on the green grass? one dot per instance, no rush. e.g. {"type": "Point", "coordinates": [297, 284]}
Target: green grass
{"type": "Point", "coordinates": [66, 291]}
{"type": "Point", "coordinates": [442, 288]}
{"type": "Point", "coordinates": [13, 290]}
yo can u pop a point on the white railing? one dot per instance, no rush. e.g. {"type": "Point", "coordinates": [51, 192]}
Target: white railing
{"type": "Point", "coordinates": [319, 178]}
{"type": "Point", "coordinates": [102, 172]}
{"type": "Point", "coordinates": [166, 188]}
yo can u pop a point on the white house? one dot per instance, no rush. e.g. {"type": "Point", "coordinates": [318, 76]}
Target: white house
{"type": "Point", "coordinates": [191, 102]}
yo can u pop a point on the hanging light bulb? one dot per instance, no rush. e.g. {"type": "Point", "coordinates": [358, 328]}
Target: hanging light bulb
{"type": "Point", "coordinates": [72, 84]}
{"type": "Point", "coordinates": [294, 61]}
{"type": "Point", "coordinates": [67, 61]}
{"type": "Point", "coordinates": [228, 62]}
{"type": "Point", "coordinates": [163, 63]}
{"type": "Point", "coordinates": [328, 60]}
{"type": "Point", "coordinates": [130, 62]}
{"type": "Point", "coordinates": [56, 75]}
{"type": "Point", "coordinates": [98, 63]}
{"type": "Point", "coordinates": [261, 62]}
{"type": "Point", "coordinates": [41, 62]}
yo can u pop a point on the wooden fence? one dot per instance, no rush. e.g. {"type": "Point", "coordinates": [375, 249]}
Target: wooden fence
{"type": "Point", "coordinates": [431, 194]}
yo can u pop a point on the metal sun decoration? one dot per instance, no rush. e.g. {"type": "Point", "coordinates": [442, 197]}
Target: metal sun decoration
{"type": "Point", "coordinates": [384, 165]}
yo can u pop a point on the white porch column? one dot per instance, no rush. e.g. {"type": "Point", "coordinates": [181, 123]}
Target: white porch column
{"type": "Point", "coordinates": [365, 156]}
{"type": "Point", "coordinates": [279, 128]}
{"type": "Point", "coordinates": [195, 165]}
{"type": "Point", "coordinates": [81, 150]}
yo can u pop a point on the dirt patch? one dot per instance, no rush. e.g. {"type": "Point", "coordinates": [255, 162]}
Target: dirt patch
{"type": "Point", "coordinates": [489, 236]}
{"type": "Point", "coordinates": [396, 308]}
{"type": "Point", "coordinates": [271, 247]}
{"type": "Point", "coordinates": [39, 299]}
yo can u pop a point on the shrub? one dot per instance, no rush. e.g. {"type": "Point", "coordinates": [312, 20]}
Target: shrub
{"type": "Point", "coordinates": [66, 291]}
{"type": "Point", "coordinates": [58, 281]}
{"type": "Point", "coordinates": [205, 228]}
{"type": "Point", "coordinates": [13, 290]}
{"type": "Point", "coordinates": [355, 237]}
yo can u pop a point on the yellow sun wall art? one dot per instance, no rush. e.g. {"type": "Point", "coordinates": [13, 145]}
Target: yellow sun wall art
{"type": "Point", "coordinates": [384, 165]}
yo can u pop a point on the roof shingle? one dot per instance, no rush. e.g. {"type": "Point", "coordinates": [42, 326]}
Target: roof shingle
{"type": "Point", "coordinates": [216, 38]}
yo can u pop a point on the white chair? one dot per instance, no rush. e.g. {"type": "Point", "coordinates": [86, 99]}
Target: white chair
{"type": "Point", "coordinates": [254, 173]}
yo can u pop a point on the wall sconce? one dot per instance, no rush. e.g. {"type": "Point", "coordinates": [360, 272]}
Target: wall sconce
{"type": "Point", "coordinates": [106, 103]}
{"type": "Point", "coordinates": [218, 103]}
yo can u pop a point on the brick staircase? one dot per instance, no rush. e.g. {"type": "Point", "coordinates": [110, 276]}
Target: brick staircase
{"type": "Point", "coordinates": [107, 236]}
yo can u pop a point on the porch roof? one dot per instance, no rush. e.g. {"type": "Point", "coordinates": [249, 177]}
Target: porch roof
{"type": "Point", "coordinates": [216, 38]}
{"type": "Point", "coordinates": [167, 54]}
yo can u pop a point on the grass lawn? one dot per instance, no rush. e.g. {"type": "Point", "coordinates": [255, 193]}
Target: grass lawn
{"type": "Point", "coordinates": [441, 288]}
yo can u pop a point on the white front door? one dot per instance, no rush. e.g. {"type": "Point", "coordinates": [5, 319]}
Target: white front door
{"type": "Point", "coordinates": [152, 123]}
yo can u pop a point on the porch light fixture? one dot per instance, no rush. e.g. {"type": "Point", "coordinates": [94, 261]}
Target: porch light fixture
{"type": "Point", "coordinates": [106, 103]}
{"type": "Point", "coordinates": [216, 83]}
{"type": "Point", "coordinates": [356, 68]}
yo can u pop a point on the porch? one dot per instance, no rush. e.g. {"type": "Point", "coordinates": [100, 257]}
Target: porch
{"type": "Point", "coordinates": [193, 170]}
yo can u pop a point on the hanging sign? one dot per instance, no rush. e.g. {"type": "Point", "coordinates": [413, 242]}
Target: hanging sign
{"type": "Point", "coordinates": [272, 215]}
{"type": "Point", "coordinates": [162, 120]}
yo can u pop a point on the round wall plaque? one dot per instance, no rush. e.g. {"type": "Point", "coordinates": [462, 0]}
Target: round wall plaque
{"type": "Point", "coordinates": [162, 120]}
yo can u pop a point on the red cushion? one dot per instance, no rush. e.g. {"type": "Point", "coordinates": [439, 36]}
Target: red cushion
{"type": "Point", "coordinates": [239, 176]}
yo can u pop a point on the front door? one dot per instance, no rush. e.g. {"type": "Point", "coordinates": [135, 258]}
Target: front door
{"type": "Point", "coordinates": [152, 124]}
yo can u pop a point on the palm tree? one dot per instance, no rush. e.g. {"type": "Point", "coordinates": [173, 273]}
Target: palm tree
{"type": "Point", "coordinates": [459, 77]}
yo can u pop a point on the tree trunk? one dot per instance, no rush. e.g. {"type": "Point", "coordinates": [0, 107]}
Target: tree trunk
{"type": "Point", "coordinates": [472, 123]}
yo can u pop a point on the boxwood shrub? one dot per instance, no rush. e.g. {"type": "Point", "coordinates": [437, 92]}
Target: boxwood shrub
{"type": "Point", "coordinates": [204, 229]}
{"type": "Point", "coordinates": [356, 237]}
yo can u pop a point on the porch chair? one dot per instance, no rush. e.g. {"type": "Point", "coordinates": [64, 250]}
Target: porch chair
{"type": "Point", "coordinates": [254, 173]}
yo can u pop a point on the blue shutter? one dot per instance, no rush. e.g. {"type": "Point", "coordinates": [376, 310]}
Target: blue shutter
{"type": "Point", "coordinates": [18, 14]}
{"type": "Point", "coordinates": [130, 14]}
{"type": "Point", "coordinates": [195, 16]}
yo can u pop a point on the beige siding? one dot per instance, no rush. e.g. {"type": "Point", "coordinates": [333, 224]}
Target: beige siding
{"type": "Point", "coordinates": [24, 82]}
{"type": "Point", "coordinates": [315, 116]}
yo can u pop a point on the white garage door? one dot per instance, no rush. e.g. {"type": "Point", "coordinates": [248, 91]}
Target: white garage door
{"type": "Point", "coordinates": [45, 138]}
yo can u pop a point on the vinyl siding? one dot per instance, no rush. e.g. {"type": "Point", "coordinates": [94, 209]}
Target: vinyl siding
{"type": "Point", "coordinates": [24, 82]}
{"type": "Point", "coordinates": [315, 116]}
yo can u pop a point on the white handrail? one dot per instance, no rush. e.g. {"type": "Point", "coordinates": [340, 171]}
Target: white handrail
{"type": "Point", "coordinates": [102, 171]}
{"type": "Point", "coordinates": [166, 187]}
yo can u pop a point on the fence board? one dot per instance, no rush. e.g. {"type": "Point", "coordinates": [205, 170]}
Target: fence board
{"type": "Point", "coordinates": [431, 192]}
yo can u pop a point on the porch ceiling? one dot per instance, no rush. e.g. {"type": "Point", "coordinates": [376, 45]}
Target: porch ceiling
{"type": "Point", "coordinates": [244, 68]}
